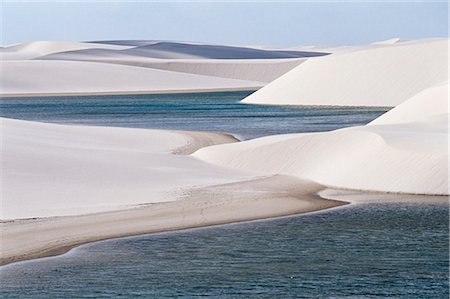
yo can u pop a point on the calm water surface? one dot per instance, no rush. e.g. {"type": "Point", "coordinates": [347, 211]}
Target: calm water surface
{"type": "Point", "coordinates": [198, 111]}
{"type": "Point", "coordinates": [390, 250]}
{"type": "Point", "coordinates": [376, 250]}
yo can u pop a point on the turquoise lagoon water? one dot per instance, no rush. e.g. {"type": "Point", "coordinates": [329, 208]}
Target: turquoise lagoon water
{"type": "Point", "coordinates": [392, 249]}
{"type": "Point", "coordinates": [198, 111]}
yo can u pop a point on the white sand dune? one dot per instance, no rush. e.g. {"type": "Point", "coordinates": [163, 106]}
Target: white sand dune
{"type": "Point", "coordinates": [379, 75]}
{"type": "Point", "coordinates": [260, 70]}
{"type": "Point", "coordinates": [390, 41]}
{"type": "Point", "coordinates": [115, 182]}
{"type": "Point", "coordinates": [71, 185]}
{"type": "Point", "coordinates": [50, 169]}
{"type": "Point", "coordinates": [41, 48]}
{"type": "Point", "coordinates": [126, 42]}
{"type": "Point", "coordinates": [90, 54]}
{"type": "Point", "coordinates": [243, 201]}
{"type": "Point", "coordinates": [182, 50]}
{"type": "Point", "coordinates": [42, 77]}
{"type": "Point", "coordinates": [405, 151]}
{"type": "Point", "coordinates": [145, 42]}
{"type": "Point", "coordinates": [178, 50]}
{"type": "Point", "coordinates": [76, 184]}
{"type": "Point", "coordinates": [61, 68]}
{"type": "Point", "coordinates": [351, 48]}
{"type": "Point", "coordinates": [426, 104]}
{"type": "Point", "coordinates": [242, 63]}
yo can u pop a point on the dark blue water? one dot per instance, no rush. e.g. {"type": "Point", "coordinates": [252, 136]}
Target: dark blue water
{"type": "Point", "coordinates": [381, 250]}
{"type": "Point", "coordinates": [389, 250]}
{"type": "Point", "coordinates": [198, 111]}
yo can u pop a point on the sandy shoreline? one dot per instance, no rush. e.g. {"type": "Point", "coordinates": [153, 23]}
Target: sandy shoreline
{"type": "Point", "coordinates": [235, 202]}
{"type": "Point", "coordinates": [124, 92]}
{"type": "Point", "coordinates": [67, 185]}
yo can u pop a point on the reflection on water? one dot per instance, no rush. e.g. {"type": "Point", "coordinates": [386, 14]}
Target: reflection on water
{"type": "Point", "coordinates": [376, 250]}
{"type": "Point", "coordinates": [198, 111]}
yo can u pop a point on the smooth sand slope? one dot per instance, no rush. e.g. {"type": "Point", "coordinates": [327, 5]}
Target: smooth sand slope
{"type": "Point", "coordinates": [49, 77]}
{"type": "Point", "coordinates": [404, 151]}
{"type": "Point", "coordinates": [41, 48]}
{"type": "Point", "coordinates": [260, 70]}
{"type": "Point", "coordinates": [51, 170]}
{"type": "Point", "coordinates": [65, 68]}
{"type": "Point", "coordinates": [179, 50]}
{"type": "Point", "coordinates": [75, 184]}
{"type": "Point", "coordinates": [376, 75]}
{"type": "Point", "coordinates": [243, 201]}
{"type": "Point", "coordinates": [71, 185]}
{"type": "Point", "coordinates": [429, 103]}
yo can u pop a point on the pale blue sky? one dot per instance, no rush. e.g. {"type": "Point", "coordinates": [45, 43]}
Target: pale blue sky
{"type": "Point", "coordinates": [240, 23]}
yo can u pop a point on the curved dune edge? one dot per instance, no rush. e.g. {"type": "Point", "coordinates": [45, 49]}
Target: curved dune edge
{"type": "Point", "coordinates": [124, 92]}
{"type": "Point", "coordinates": [379, 155]}
{"type": "Point", "coordinates": [116, 168]}
{"type": "Point", "coordinates": [383, 76]}
{"type": "Point", "coordinates": [236, 202]}
{"type": "Point", "coordinates": [60, 77]}
{"type": "Point", "coordinates": [259, 70]}
{"type": "Point", "coordinates": [124, 168]}
{"type": "Point", "coordinates": [403, 151]}
{"type": "Point", "coordinates": [52, 68]}
{"type": "Point", "coordinates": [370, 159]}
{"type": "Point", "coordinates": [36, 49]}
{"type": "Point", "coordinates": [198, 140]}
{"type": "Point", "coordinates": [428, 103]}
{"type": "Point", "coordinates": [145, 181]}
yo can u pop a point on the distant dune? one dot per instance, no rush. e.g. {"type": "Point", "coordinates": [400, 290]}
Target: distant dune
{"type": "Point", "coordinates": [58, 77]}
{"type": "Point", "coordinates": [41, 48]}
{"type": "Point", "coordinates": [116, 182]}
{"type": "Point", "coordinates": [374, 75]}
{"type": "Point", "coordinates": [261, 70]}
{"type": "Point", "coordinates": [178, 50]}
{"type": "Point", "coordinates": [128, 42]}
{"type": "Point", "coordinates": [55, 68]}
{"type": "Point", "coordinates": [404, 151]}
